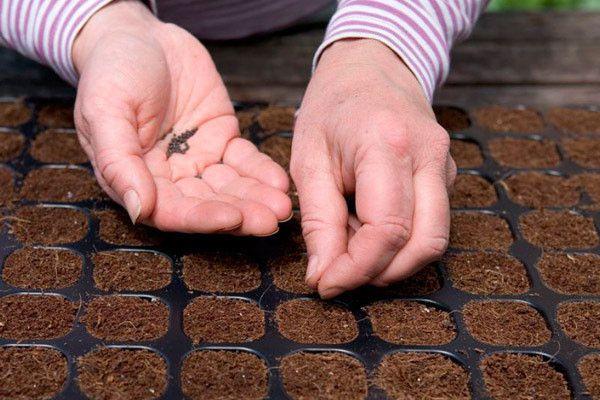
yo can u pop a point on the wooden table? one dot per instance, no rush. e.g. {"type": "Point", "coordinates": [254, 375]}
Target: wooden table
{"type": "Point", "coordinates": [531, 58]}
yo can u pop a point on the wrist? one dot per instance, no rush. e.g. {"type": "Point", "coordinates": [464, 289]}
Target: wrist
{"type": "Point", "coordinates": [373, 55]}
{"type": "Point", "coordinates": [120, 16]}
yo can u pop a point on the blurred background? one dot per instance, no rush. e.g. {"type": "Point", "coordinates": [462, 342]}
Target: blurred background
{"type": "Point", "coordinates": [538, 5]}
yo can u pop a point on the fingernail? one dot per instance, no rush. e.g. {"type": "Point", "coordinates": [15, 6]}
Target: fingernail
{"type": "Point", "coordinates": [288, 218]}
{"type": "Point", "coordinates": [331, 292]}
{"type": "Point", "coordinates": [269, 234]}
{"type": "Point", "coordinates": [311, 268]}
{"type": "Point", "coordinates": [380, 283]}
{"type": "Point", "coordinates": [132, 205]}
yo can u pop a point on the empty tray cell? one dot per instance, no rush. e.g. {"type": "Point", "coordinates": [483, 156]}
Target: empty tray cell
{"type": "Point", "coordinates": [424, 282]}
{"type": "Point", "coordinates": [56, 146]}
{"type": "Point", "coordinates": [42, 268]}
{"type": "Point", "coordinates": [131, 271]}
{"type": "Point", "coordinates": [288, 272]}
{"type": "Point", "coordinates": [315, 321]}
{"type": "Point", "coordinates": [580, 320]}
{"type": "Point", "coordinates": [504, 119]}
{"type": "Point", "coordinates": [466, 154]}
{"type": "Point", "coordinates": [224, 374]}
{"type": "Point", "coordinates": [220, 272]}
{"type": "Point", "coordinates": [29, 317]}
{"type": "Point", "coordinates": [410, 323]}
{"type": "Point", "coordinates": [510, 376]}
{"type": "Point", "coordinates": [575, 120]}
{"type": "Point", "coordinates": [538, 190]}
{"type": "Point", "coordinates": [505, 323]}
{"type": "Point", "coordinates": [422, 376]}
{"type": "Point", "coordinates": [323, 375]}
{"type": "Point", "coordinates": [56, 116]}
{"type": "Point", "coordinates": [31, 372]}
{"type": "Point", "coordinates": [126, 318]}
{"type": "Point", "coordinates": [48, 225]}
{"type": "Point", "coordinates": [471, 191]}
{"type": "Point", "coordinates": [482, 231]}
{"type": "Point", "coordinates": [277, 119]}
{"type": "Point", "coordinates": [116, 228]}
{"type": "Point", "coordinates": [583, 152]}
{"type": "Point", "coordinates": [61, 185]}
{"type": "Point", "coordinates": [575, 274]}
{"type": "Point", "coordinates": [14, 113]}
{"type": "Point", "coordinates": [487, 273]}
{"type": "Point", "coordinates": [451, 118]}
{"type": "Point", "coordinates": [121, 373]}
{"type": "Point", "coordinates": [524, 153]}
{"type": "Point", "coordinates": [223, 320]}
{"type": "Point", "coordinates": [589, 369]}
{"type": "Point", "coordinates": [11, 145]}
{"type": "Point", "coordinates": [589, 184]}
{"type": "Point", "coordinates": [7, 183]}
{"type": "Point", "coordinates": [279, 148]}
{"type": "Point", "coordinates": [558, 229]}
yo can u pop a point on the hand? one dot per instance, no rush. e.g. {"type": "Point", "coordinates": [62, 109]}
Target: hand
{"type": "Point", "coordinates": [140, 79]}
{"type": "Point", "coordinates": [365, 127]}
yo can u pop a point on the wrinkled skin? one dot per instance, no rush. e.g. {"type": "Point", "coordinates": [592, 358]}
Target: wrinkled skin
{"type": "Point", "coordinates": [364, 128]}
{"type": "Point", "coordinates": [141, 78]}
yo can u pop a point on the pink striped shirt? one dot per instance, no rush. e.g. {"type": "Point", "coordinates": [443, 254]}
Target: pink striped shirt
{"type": "Point", "coordinates": [421, 32]}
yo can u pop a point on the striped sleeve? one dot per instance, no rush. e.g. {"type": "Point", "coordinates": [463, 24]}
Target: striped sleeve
{"type": "Point", "coordinates": [421, 32]}
{"type": "Point", "coordinates": [44, 30]}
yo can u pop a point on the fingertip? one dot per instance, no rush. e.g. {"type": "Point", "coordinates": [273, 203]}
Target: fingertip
{"type": "Point", "coordinates": [223, 216]}
{"type": "Point", "coordinates": [283, 209]}
{"type": "Point", "coordinates": [379, 283]}
{"type": "Point", "coordinates": [312, 269]}
{"type": "Point", "coordinates": [132, 204]}
{"type": "Point", "coordinates": [258, 220]}
{"type": "Point", "coordinates": [132, 182]}
{"type": "Point", "coordinates": [330, 292]}
{"type": "Point", "coordinates": [274, 175]}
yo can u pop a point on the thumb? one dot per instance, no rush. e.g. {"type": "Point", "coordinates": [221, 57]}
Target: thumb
{"type": "Point", "coordinates": [117, 157]}
{"type": "Point", "coordinates": [323, 209]}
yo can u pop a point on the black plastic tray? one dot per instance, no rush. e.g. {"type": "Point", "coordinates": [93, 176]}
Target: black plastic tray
{"type": "Point", "coordinates": [562, 352]}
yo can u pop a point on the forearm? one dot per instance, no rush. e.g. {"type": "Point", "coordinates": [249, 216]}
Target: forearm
{"type": "Point", "coordinates": [45, 30]}
{"type": "Point", "coordinates": [420, 32]}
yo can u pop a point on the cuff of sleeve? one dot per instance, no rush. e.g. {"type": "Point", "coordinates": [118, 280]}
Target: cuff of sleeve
{"type": "Point", "coordinates": [424, 75]}
{"type": "Point", "coordinates": [64, 65]}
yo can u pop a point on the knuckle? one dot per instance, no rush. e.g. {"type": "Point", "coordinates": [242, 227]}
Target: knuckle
{"type": "Point", "coordinates": [395, 231]}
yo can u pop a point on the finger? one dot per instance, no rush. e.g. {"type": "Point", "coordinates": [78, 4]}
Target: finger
{"type": "Point", "coordinates": [258, 220]}
{"type": "Point", "coordinates": [323, 209]}
{"type": "Point", "coordinates": [119, 164]}
{"type": "Point", "coordinates": [195, 187]}
{"type": "Point", "coordinates": [225, 180]}
{"type": "Point", "coordinates": [430, 231]}
{"type": "Point", "coordinates": [177, 212]}
{"type": "Point", "coordinates": [245, 158]}
{"type": "Point", "coordinates": [384, 205]}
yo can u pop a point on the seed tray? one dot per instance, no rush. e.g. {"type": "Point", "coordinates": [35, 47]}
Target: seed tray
{"type": "Point", "coordinates": [560, 351]}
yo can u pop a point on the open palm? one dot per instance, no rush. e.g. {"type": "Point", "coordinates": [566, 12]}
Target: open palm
{"type": "Point", "coordinates": [139, 90]}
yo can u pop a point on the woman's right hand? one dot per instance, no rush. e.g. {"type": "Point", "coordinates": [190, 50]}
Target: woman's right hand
{"type": "Point", "coordinates": [141, 78]}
